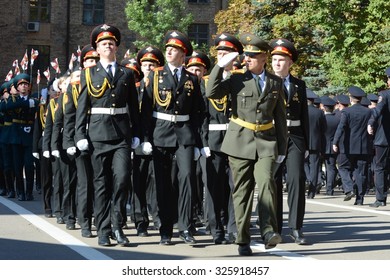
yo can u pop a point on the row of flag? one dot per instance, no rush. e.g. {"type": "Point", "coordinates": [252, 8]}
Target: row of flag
{"type": "Point", "coordinates": [34, 54]}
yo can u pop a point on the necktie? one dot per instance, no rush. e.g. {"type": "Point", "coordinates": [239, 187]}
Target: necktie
{"type": "Point", "coordinates": [109, 71]}
{"type": "Point", "coordinates": [175, 76]}
{"type": "Point", "coordinates": [257, 79]}
{"type": "Point", "coordinates": [286, 87]}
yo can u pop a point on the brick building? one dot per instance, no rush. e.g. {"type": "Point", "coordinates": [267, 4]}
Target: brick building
{"type": "Point", "coordinates": [56, 27]}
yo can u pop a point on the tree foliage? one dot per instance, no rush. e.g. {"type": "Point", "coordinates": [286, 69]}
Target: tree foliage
{"type": "Point", "coordinates": [151, 19]}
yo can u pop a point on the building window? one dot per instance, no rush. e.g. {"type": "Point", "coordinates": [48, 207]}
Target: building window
{"type": "Point", "coordinates": [198, 1]}
{"type": "Point", "coordinates": [42, 62]}
{"type": "Point", "coordinates": [93, 12]}
{"type": "Point", "coordinates": [40, 10]}
{"type": "Point", "coordinates": [199, 33]}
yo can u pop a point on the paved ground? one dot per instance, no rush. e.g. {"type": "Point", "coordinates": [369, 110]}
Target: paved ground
{"type": "Point", "coordinates": [337, 231]}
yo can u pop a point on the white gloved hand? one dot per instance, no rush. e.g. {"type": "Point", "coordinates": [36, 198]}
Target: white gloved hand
{"type": "Point", "coordinates": [55, 153]}
{"type": "Point", "coordinates": [196, 153]}
{"type": "Point", "coordinates": [306, 154]}
{"type": "Point", "coordinates": [135, 142]}
{"type": "Point", "coordinates": [205, 152]}
{"type": "Point", "coordinates": [82, 144]}
{"type": "Point", "coordinates": [370, 130]}
{"type": "Point", "coordinates": [146, 148]}
{"type": "Point", "coordinates": [226, 59]}
{"type": "Point", "coordinates": [280, 158]}
{"type": "Point", "coordinates": [32, 103]}
{"type": "Point", "coordinates": [71, 151]}
{"type": "Point", "coordinates": [46, 154]}
{"type": "Point", "coordinates": [36, 155]}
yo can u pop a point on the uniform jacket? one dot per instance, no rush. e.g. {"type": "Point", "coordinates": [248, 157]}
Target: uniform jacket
{"type": "Point", "coordinates": [185, 100]}
{"type": "Point", "coordinates": [69, 107]}
{"type": "Point", "coordinates": [116, 92]}
{"type": "Point", "coordinates": [317, 125]}
{"type": "Point", "coordinates": [380, 116]}
{"type": "Point", "coordinates": [353, 123]}
{"type": "Point", "coordinates": [252, 106]}
{"type": "Point", "coordinates": [332, 122]}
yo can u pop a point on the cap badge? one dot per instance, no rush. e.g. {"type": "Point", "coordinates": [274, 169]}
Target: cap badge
{"type": "Point", "coordinates": [195, 54]}
{"type": "Point", "coordinates": [149, 49]}
{"type": "Point", "coordinates": [279, 42]}
{"type": "Point", "coordinates": [174, 34]}
{"type": "Point", "coordinates": [105, 27]}
{"type": "Point", "coordinates": [248, 38]}
{"type": "Point", "coordinates": [223, 36]}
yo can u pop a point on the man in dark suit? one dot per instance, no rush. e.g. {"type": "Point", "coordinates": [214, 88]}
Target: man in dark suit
{"type": "Point", "coordinates": [108, 91]}
{"type": "Point", "coordinates": [284, 55]}
{"type": "Point", "coordinates": [316, 141]}
{"type": "Point", "coordinates": [376, 126]}
{"type": "Point", "coordinates": [171, 118]}
{"type": "Point", "coordinates": [255, 139]}
{"type": "Point", "coordinates": [330, 156]}
{"type": "Point", "coordinates": [354, 157]}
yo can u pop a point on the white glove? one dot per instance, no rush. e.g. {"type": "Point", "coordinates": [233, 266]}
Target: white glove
{"type": "Point", "coordinates": [71, 151]}
{"type": "Point", "coordinates": [280, 159]}
{"type": "Point", "coordinates": [146, 148]}
{"type": "Point", "coordinates": [55, 153]}
{"type": "Point", "coordinates": [46, 154]}
{"type": "Point", "coordinates": [306, 154]}
{"type": "Point", "coordinates": [205, 152]}
{"type": "Point", "coordinates": [370, 130]}
{"type": "Point", "coordinates": [36, 155]}
{"type": "Point", "coordinates": [32, 103]}
{"type": "Point", "coordinates": [82, 144]}
{"type": "Point", "coordinates": [226, 59]}
{"type": "Point", "coordinates": [135, 142]}
{"type": "Point", "coordinates": [196, 153]}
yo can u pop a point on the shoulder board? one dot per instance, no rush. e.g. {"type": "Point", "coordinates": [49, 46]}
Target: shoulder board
{"type": "Point", "coordinates": [205, 77]}
{"type": "Point", "coordinates": [159, 68]}
{"type": "Point", "coordinates": [238, 71]}
{"type": "Point", "coordinates": [89, 67]}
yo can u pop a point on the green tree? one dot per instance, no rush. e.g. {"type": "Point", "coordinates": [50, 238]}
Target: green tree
{"type": "Point", "coordinates": [151, 19]}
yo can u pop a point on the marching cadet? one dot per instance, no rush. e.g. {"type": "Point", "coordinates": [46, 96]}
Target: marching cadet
{"type": "Point", "coordinates": [23, 116]}
{"type": "Point", "coordinates": [353, 158]}
{"type": "Point", "coordinates": [317, 125]}
{"type": "Point", "coordinates": [171, 113]}
{"type": "Point", "coordinates": [6, 151]}
{"type": "Point", "coordinates": [107, 91]}
{"type": "Point", "coordinates": [144, 188]}
{"type": "Point", "coordinates": [330, 156]}
{"type": "Point", "coordinates": [255, 139]}
{"type": "Point", "coordinates": [84, 189]}
{"type": "Point", "coordinates": [284, 54]}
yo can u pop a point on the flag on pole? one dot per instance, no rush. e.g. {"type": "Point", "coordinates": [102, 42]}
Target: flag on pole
{"type": "Point", "coordinates": [38, 77]}
{"type": "Point", "coordinates": [55, 65]}
{"type": "Point", "coordinates": [9, 76]}
{"type": "Point", "coordinates": [24, 62]}
{"type": "Point", "coordinates": [16, 65]}
{"type": "Point", "coordinates": [78, 53]}
{"type": "Point", "coordinates": [72, 60]}
{"type": "Point", "coordinates": [47, 74]}
{"type": "Point", "coordinates": [34, 55]}
{"type": "Point", "coordinates": [127, 54]}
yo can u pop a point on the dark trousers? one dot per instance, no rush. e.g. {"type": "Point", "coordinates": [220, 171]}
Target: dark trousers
{"type": "Point", "coordinates": [295, 181]}
{"type": "Point", "coordinates": [8, 167]}
{"type": "Point", "coordinates": [23, 161]}
{"type": "Point", "coordinates": [331, 172]}
{"type": "Point", "coordinates": [46, 182]}
{"type": "Point", "coordinates": [381, 160]}
{"type": "Point", "coordinates": [68, 172]}
{"type": "Point", "coordinates": [58, 187]}
{"type": "Point", "coordinates": [111, 164]}
{"type": "Point", "coordinates": [163, 159]}
{"type": "Point", "coordinates": [312, 168]}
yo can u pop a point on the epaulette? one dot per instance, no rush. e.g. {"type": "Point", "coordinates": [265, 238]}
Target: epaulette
{"type": "Point", "coordinates": [88, 67]}
{"type": "Point", "coordinates": [159, 68]}
{"type": "Point", "coordinates": [205, 77]}
{"type": "Point", "coordinates": [238, 71]}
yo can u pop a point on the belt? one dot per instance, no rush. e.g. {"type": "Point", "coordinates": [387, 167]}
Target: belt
{"type": "Point", "coordinates": [22, 121]}
{"type": "Point", "coordinates": [218, 126]}
{"type": "Point", "coordinates": [252, 126]}
{"type": "Point", "coordinates": [171, 118]}
{"type": "Point", "coordinates": [109, 111]}
{"type": "Point", "coordinates": [293, 123]}
{"type": "Point", "coordinates": [7, 123]}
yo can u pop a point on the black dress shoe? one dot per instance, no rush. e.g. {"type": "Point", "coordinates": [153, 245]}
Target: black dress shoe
{"type": "Point", "coordinates": [120, 237]}
{"type": "Point", "coordinates": [298, 237]}
{"type": "Point", "coordinates": [348, 196]}
{"type": "Point", "coordinates": [377, 203]}
{"type": "Point", "coordinates": [3, 192]}
{"type": "Point", "coordinates": [21, 197]}
{"type": "Point", "coordinates": [104, 241]}
{"type": "Point", "coordinates": [48, 214]}
{"type": "Point", "coordinates": [187, 237]}
{"type": "Point", "coordinates": [86, 233]}
{"type": "Point", "coordinates": [11, 194]}
{"type": "Point", "coordinates": [60, 220]}
{"type": "Point", "coordinates": [70, 226]}
{"type": "Point", "coordinates": [360, 202]}
{"type": "Point", "coordinates": [310, 195]}
{"type": "Point", "coordinates": [232, 236]}
{"type": "Point", "coordinates": [220, 240]}
{"type": "Point", "coordinates": [29, 197]}
{"type": "Point", "coordinates": [165, 240]}
{"type": "Point", "coordinates": [271, 239]}
{"type": "Point", "coordinates": [245, 250]}
{"type": "Point", "coordinates": [142, 232]}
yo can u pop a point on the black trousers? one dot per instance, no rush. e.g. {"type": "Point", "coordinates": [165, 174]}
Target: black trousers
{"type": "Point", "coordinates": [164, 159]}
{"type": "Point", "coordinates": [46, 182]}
{"type": "Point", "coordinates": [23, 160]}
{"type": "Point", "coordinates": [331, 172]}
{"type": "Point", "coordinates": [381, 173]}
{"type": "Point", "coordinates": [58, 187]}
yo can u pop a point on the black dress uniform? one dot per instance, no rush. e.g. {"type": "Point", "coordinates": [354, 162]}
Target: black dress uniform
{"type": "Point", "coordinates": [172, 116]}
{"type": "Point", "coordinates": [298, 144]}
{"type": "Point", "coordinates": [330, 156]}
{"type": "Point", "coordinates": [353, 159]}
{"type": "Point", "coordinates": [379, 117]}
{"type": "Point", "coordinates": [112, 123]}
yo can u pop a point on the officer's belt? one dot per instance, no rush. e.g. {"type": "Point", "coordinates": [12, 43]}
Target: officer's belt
{"type": "Point", "coordinates": [218, 126]}
{"type": "Point", "coordinates": [7, 123]}
{"type": "Point", "coordinates": [22, 121]}
{"type": "Point", "coordinates": [252, 126]}
{"type": "Point", "coordinates": [293, 122]}
{"type": "Point", "coordinates": [171, 118]}
{"type": "Point", "coordinates": [108, 111]}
